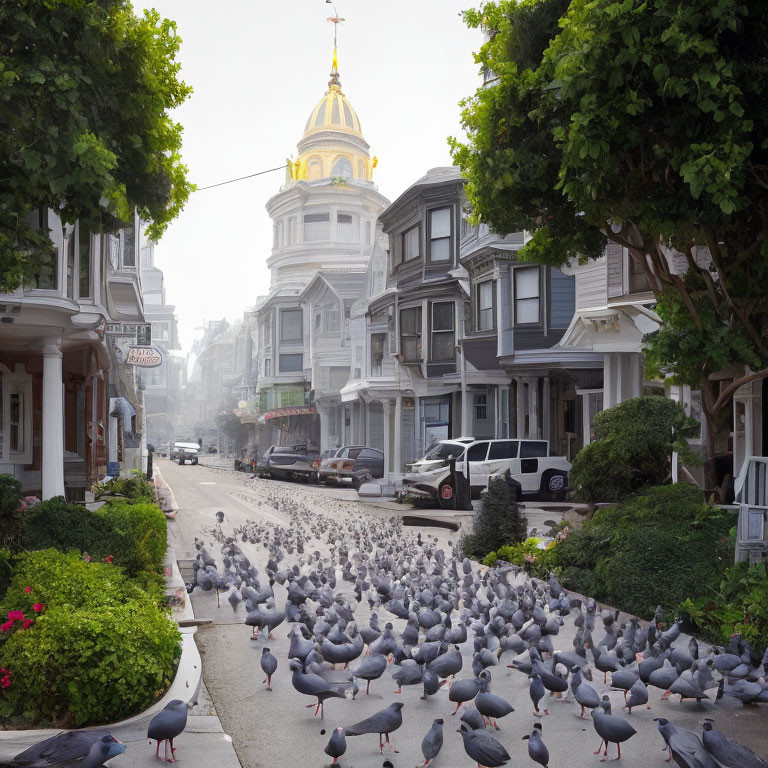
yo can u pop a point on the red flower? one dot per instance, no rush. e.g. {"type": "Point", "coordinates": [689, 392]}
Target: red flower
{"type": "Point", "coordinates": [87, 558]}
{"type": "Point", "coordinates": [38, 607]}
{"type": "Point", "coordinates": [5, 682]}
{"type": "Point", "coordinates": [109, 558]}
{"type": "Point", "coordinates": [16, 615]}
{"type": "Point", "coordinates": [28, 623]}
{"type": "Point", "coordinates": [6, 627]}
{"type": "Point", "coordinates": [27, 589]}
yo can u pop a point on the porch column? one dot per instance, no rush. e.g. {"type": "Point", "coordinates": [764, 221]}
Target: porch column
{"type": "Point", "coordinates": [323, 413]}
{"type": "Point", "coordinates": [520, 407]}
{"type": "Point", "coordinates": [418, 432]}
{"type": "Point", "coordinates": [533, 409]}
{"type": "Point", "coordinates": [546, 408]}
{"type": "Point", "coordinates": [609, 383]}
{"type": "Point", "coordinates": [586, 422]}
{"type": "Point", "coordinates": [635, 374]}
{"type": "Point", "coordinates": [398, 466]}
{"type": "Point", "coordinates": [387, 408]}
{"type": "Point", "coordinates": [53, 421]}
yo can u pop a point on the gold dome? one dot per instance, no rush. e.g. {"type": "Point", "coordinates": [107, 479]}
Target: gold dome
{"type": "Point", "coordinates": [333, 113]}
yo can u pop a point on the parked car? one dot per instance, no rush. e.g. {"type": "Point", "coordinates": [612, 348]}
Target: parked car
{"type": "Point", "coordinates": [322, 464]}
{"type": "Point", "coordinates": [532, 471]}
{"type": "Point", "coordinates": [354, 464]}
{"type": "Point", "coordinates": [184, 452]}
{"type": "Point", "coordinates": [288, 462]}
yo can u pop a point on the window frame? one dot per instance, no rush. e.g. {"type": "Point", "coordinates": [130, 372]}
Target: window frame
{"type": "Point", "coordinates": [479, 309]}
{"type": "Point", "coordinates": [417, 335]}
{"type": "Point", "coordinates": [293, 340]}
{"type": "Point", "coordinates": [480, 406]}
{"type": "Point", "coordinates": [404, 259]}
{"type": "Point", "coordinates": [323, 217]}
{"type": "Point", "coordinates": [16, 382]}
{"type": "Point", "coordinates": [516, 299]}
{"type": "Point", "coordinates": [448, 237]}
{"type": "Point", "coordinates": [290, 354]}
{"type": "Point", "coordinates": [372, 366]}
{"type": "Point", "coordinates": [432, 332]}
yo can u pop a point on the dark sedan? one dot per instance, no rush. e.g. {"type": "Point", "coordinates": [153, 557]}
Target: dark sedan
{"type": "Point", "coordinates": [355, 464]}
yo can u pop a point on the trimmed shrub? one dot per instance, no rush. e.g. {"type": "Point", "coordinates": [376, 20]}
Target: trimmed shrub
{"type": "Point", "coordinates": [654, 549]}
{"type": "Point", "coordinates": [92, 665]}
{"type": "Point", "coordinates": [632, 449]}
{"type": "Point", "coordinates": [132, 533]}
{"type": "Point", "coordinates": [59, 579]}
{"type": "Point", "coordinates": [498, 522]}
{"type": "Point", "coordinates": [536, 562]}
{"type": "Point", "coordinates": [133, 487]}
{"type": "Point", "coordinates": [6, 571]}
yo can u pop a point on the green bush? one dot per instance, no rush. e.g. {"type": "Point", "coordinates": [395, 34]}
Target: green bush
{"type": "Point", "coordinates": [632, 449]}
{"type": "Point", "coordinates": [90, 665]}
{"type": "Point", "coordinates": [536, 562]}
{"type": "Point", "coordinates": [10, 501]}
{"type": "Point", "coordinates": [738, 604]}
{"type": "Point", "coordinates": [60, 579]}
{"type": "Point", "coordinates": [498, 522]}
{"type": "Point", "coordinates": [133, 487]}
{"type": "Point", "coordinates": [6, 571]}
{"type": "Point", "coordinates": [654, 549]}
{"type": "Point", "coordinates": [133, 533]}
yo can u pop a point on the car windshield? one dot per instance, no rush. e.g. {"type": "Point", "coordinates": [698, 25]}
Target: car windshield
{"type": "Point", "coordinates": [442, 451]}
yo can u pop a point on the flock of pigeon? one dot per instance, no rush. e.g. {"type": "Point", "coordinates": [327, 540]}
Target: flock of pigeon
{"type": "Point", "coordinates": [334, 567]}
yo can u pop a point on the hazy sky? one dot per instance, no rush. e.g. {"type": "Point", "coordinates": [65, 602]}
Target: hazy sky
{"type": "Point", "coordinates": [258, 69]}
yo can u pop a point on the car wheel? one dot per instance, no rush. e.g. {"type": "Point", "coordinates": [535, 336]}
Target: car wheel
{"type": "Point", "coordinates": [554, 485]}
{"type": "Point", "coordinates": [181, 462]}
{"type": "Point", "coordinates": [194, 462]}
{"type": "Point", "coordinates": [446, 495]}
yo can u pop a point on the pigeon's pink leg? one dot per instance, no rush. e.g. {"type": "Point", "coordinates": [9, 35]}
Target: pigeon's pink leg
{"type": "Point", "coordinates": [173, 753]}
{"type": "Point", "coordinates": [599, 748]}
{"type": "Point", "coordinates": [457, 708]}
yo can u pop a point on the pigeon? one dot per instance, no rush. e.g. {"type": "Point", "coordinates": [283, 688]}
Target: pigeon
{"type": "Point", "coordinates": [371, 668]}
{"type": "Point", "coordinates": [167, 725]}
{"type": "Point", "coordinates": [537, 751]}
{"type": "Point", "coordinates": [383, 722]}
{"type": "Point", "coordinates": [727, 751]}
{"type": "Point", "coordinates": [313, 685]}
{"type": "Point", "coordinates": [537, 693]}
{"type": "Point", "coordinates": [432, 743]}
{"type": "Point", "coordinates": [462, 691]}
{"type": "Point", "coordinates": [268, 666]}
{"type": "Point", "coordinates": [609, 728]}
{"type": "Point", "coordinates": [637, 695]}
{"type": "Point", "coordinates": [491, 706]}
{"type": "Point", "coordinates": [337, 745]}
{"type": "Point", "coordinates": [483, 748]}
{"type": "Point", "coordinates": [84, 749]}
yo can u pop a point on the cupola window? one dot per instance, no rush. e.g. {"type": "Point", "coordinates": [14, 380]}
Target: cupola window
{"type": "Point", "coordinates": [316, 227]}
{"type": "Point", "coordinates": [343, 168]}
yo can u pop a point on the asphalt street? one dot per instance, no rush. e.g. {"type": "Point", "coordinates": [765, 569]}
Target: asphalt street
{"type": "Point", "coordinates": [275, 729]}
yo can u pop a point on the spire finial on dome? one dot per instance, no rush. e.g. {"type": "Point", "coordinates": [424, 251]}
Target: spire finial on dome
{"type": "Point", "coordinates": [335, 20]}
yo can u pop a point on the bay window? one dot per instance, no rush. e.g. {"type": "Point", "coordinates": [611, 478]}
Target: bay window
{"type": "Point", "coordinates": [378, 341]}
{"type": "Point", "coordinates": [411, 240]}
{"type": "Point", "coordinates": [440, 235]}
{"type": "Point", "coordinates": [410, 334]}
{"type": "Point", "coordinates": [485, 319]}
{"type": "Point", "coordinates": [443, 341]}
{"type": "Point", "coordinates": [291, 322]}
{"type": "Point", "coordinates": [527, 295]}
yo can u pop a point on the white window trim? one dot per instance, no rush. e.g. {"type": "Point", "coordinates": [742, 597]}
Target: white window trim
{"type": "Point", "coordinates": [448, 237]}
{"type": "Point", "coordinates": [515, 322]}
{"type": "Point", "coordinates": [18, 381]}
{"type": "Point", "coordinates": [478, 308]}
{"type": "Point", "coordinates": [432, 331]}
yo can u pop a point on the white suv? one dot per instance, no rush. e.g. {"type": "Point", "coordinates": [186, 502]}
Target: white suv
{"type": "Point", "coordinates": [533, 472]}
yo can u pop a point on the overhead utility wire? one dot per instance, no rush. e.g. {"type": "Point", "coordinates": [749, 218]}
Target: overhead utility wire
{"type": "Point", "coordinates": [240, 178]}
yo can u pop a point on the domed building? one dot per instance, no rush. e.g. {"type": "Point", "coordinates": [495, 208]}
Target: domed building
{"type": "Point", "coordinates": [325, 230]}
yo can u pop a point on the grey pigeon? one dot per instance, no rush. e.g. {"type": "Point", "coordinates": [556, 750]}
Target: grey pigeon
{"type": "Point", "coordinates": [84, 749]}
{"type": "Point", "coordinates": [727, 751]}
{"type": "Point", "coordinates": [483, 748]}
{"type": "Point", "coordinates": [432, 743]}
{"type": "Point", "coordinates": [337, 745]}
{"type": "Point", "coordinates": [537, 751]}
{"type": "Point", "coordinates": [167, 724]}
{"type": "Point", "coordinates": [384, 722]}
{"type": "Point", "coordinates": [611, 729]}
{"type": "Point", "coordinates": [313, 685]}
{"type": "Point", "coordinates": [268, 666]}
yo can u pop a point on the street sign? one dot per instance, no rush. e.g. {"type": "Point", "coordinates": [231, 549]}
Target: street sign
{"type": "Point", "coordinates": [144, 357]}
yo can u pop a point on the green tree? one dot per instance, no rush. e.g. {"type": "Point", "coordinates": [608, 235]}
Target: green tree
{"type": "Point", "coordinates": [633, 447]}
{"type": "Point", "coordinates": [642, 123]}
{"type": "Point", "coordinates": [85, 93]}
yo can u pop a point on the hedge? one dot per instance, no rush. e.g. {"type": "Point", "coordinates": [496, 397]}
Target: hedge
{"type": "Point", "coordinates": [90, 665]}
{"type": "Point", "coordinates": [132, 533]}
{"type": "Point", "coordinates": [654, 549]}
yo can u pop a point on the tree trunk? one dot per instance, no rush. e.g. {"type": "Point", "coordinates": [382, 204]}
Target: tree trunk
{"type": "Point", "coordinates": [718, 424]}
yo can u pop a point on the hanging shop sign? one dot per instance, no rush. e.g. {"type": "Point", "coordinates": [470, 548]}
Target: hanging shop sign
{"type": "Point", "coordinates": [144, 357]}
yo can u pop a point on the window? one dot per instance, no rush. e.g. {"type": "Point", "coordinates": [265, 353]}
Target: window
{"type": "Point", "coordinates": [368, 232]}
{"type": "Point", "coordinates": [410, 334]}
{"type": "Point", "coordinates": [443, 345]}
{"type": "Point", "coordinates": [267, 367]}
{"type": "Point", "coordinates": [440, 234]}
{"type": "Point", "coordinates": [530, 449]}
{"type": "Point", "coordinates": [378, 340]}
{"type": "Point", "coordinates": [291, 363]}
{"type": "Point", "coordinates": [15, 416]}
{"type": "Point", "coordinates": [411, 243]}
{"type": "Point", "coordinates": [129, 247]}
{"type": "Point", "coordinates": [290, 325]}
{"type": "Point", "coordinates": [331, 320]}
{"type": "Point", "coordinates": [526, 295]}
{"type": "Point", "coordinates": [477, 452]}
{"type": "Point", "coordinates": [160, 331]}
{"type": "Point", "coordinates": [343, 168]}
{"type": "Point", "coordinates": [345, 228]}
{"type": "Point", "coordinates": [46, 276]}
{"type": "Point", "coordinates": [16, 422]}
{"type": "Point", "coordinates": [481, 407]}
{"type": "Point", "coordinates": [484, 315]}
{"type": "Point", "coordinates": [316, 227]}
{"type": "Point", "coordinates": [371, 453]}
{"type": "Point", "coordinates": [84, 266]}
{"type": "Point", "coordinates": [71, 250]}
{"type": "Point", "coordinates": [503, 449]}
{"type": "Point", "coordinates": [314, 168]}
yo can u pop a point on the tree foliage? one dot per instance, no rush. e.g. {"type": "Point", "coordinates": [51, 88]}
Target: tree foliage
{"type": "Point", "coordinates": [85, 93]}
{"type": "Point", "coordinates": [644, 123]}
